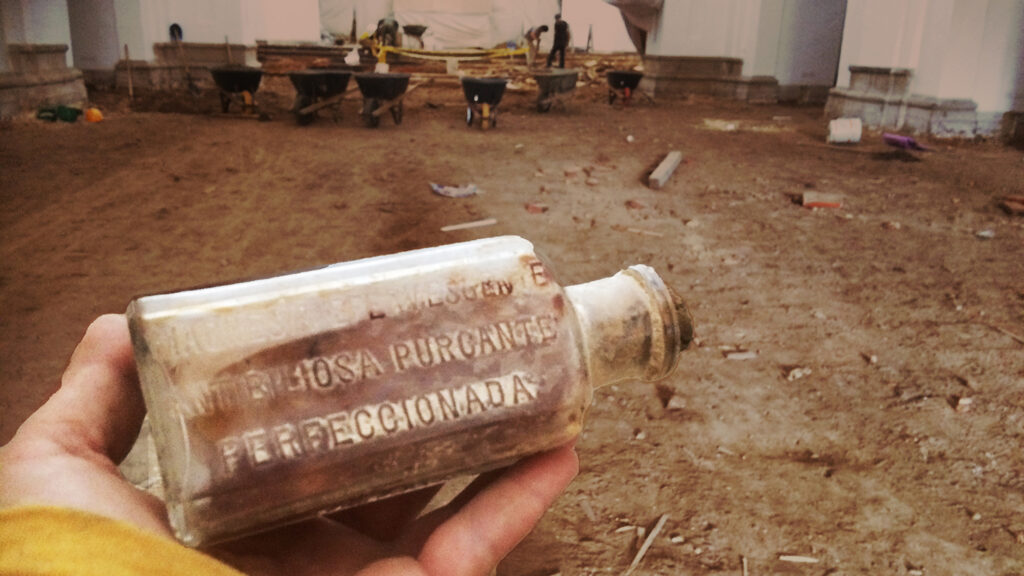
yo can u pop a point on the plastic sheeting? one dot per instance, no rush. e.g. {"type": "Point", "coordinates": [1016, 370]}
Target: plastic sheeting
{"type": "Point", "coordinates": [640, 16]}
{"type": "Point", "coordinates": [640, 13]}
{"type": "Point", "coordinates": [450, 23]}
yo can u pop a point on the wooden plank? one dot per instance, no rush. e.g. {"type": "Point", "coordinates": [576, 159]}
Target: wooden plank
{"type": "Point", "coordinates": [664, 170]}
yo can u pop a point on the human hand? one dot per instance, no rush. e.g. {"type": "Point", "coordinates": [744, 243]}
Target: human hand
{"type": "Point", "coordinates": [65, 455]}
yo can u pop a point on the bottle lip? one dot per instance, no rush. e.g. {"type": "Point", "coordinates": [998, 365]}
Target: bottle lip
{"type": "Point", "coordinates": [676, 321]}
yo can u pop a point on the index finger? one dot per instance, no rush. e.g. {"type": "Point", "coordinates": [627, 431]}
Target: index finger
{"type": "Point", "coordinates": [99, 404]}
{"type": "Point", "coordinates": [473, 539]}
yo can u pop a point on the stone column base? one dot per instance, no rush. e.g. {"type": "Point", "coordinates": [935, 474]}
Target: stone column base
{"type": "Point", "coordinates": [39, 78]}
{"type": "Point", "coordinates": [680, 76]}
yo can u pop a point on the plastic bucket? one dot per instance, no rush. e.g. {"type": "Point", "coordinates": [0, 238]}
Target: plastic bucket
{"type": "Point", "coordinates": [844, 130]}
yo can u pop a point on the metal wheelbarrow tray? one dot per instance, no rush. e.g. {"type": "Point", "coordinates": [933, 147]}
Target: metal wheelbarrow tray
{"type": "Point", "coordinates": [482, 97]}
{"type": "Point", "coordinates": [555, 86]}
{"type": "Point", "coordinates": [623, 83]}
{"type": "Point", "coordinates": [237, 83]}
{"type": "Point", "coordinates": [316, 89]}
{"type": "Point", "coordinates": [382, 92]}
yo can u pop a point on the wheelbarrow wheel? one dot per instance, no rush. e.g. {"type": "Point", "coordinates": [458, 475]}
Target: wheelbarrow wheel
{"type": "Point", "coordinates": [225, 102]}
{"type": "Point", "coordinates": [396, 113]}
{"type": "Point", "coordinates": [544, 106]}
{"type": "Point", "coordinates": [370, 105]}
{"type": "Point", "coordinates": [611, 97]}
{"type": "Point", "coordinates": [469, 115]}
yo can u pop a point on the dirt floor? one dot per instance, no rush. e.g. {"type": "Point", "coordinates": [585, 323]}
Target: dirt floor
{"type": "Point", "coordinates": [874, 427]}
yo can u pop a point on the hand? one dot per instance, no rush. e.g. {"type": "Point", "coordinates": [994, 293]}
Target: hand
{"type": "Point", "coordinates": [66, 453]}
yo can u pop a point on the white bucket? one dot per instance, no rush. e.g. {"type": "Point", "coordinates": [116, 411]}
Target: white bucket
{"type": "Point", "coordinates": [844, 130]}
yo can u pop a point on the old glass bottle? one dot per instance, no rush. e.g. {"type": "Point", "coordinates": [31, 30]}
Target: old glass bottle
{"type": "Point", "coordinates": [277, 399]}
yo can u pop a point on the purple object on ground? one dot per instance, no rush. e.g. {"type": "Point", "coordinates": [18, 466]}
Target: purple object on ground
{"type": "Point", "coordinates": [905, 142]}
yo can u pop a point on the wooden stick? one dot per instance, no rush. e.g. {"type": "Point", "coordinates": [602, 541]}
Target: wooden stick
{"type": "Point", "coordinates": [474, 224]}
{"type": "Point", "coordinates": [131, 88]}
{"type": "Point", "coordinates": [327, 102]}
{"type": "Point", "coordinates": [646, 545]}
{"type": "Point", "coordinates": [1018, 338]}
{"type": "Point", "coordinates": [392, 103]}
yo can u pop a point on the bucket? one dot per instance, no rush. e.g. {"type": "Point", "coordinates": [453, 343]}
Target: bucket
{"type": "Point", "coordinates": [844, 130]}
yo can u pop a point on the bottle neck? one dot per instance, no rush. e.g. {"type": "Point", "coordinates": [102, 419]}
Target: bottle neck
{"type": "Point", "coordinates": [632, 325]}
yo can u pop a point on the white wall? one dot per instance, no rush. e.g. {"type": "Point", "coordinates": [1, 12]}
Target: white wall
{"type": "Point", "coordinates": [796, 41]}
{"type": "Point", "coordinates": [726, 28]}
{"type": "Point", "coordinates": [94, 34]}
{"type": "Point", "coordinates": [956, 48]}
{"type": "Point", "coordinates": [276, 21]}
{"type": "Point", "coordinates": [141, 23]}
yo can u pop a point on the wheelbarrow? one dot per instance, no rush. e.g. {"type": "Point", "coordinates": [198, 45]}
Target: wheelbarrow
{"type": "Point", "coordinates": [623, 83]}
{"type": "Point", "coordinates": [318, 89]}
{"type": "Point", "coordinates": [237, 84]}
{"type": "Point", "coordinates": [382, 92]}
{"type": "Point", "coordinates": [415, 31]}
{"type": "Point", "coordinates": [555, 86]}
{"type": "Point", "coordinates": [482, 97]}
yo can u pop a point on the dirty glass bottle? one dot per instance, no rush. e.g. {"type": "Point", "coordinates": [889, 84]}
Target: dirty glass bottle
{"type": "Point", "coordinates": [277, 399]}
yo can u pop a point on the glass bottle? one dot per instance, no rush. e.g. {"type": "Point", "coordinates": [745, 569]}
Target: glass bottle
{"type": "Point", "coordinates": [277, 399]}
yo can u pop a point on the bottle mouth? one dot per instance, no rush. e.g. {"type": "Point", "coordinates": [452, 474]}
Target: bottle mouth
{"type": "Point", "coordinates": [676, 332]}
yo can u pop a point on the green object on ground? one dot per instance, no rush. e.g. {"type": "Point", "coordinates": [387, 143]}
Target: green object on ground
{"type": "Point", "coordinates": [62, 113]}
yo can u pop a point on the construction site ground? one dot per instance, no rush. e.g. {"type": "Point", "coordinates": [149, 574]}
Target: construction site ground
{"type": "Point", "coordinates": [853, 404]}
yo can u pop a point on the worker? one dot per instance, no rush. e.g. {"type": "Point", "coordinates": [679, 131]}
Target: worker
{"type": "Point", "coordinates": [387, 31]}
{"type": "Point", "coordinates": [532, 37]}
{"type": "Point", "coordinates": [562, 38]}
{"type": "Point", "coordinates": [66, 509]}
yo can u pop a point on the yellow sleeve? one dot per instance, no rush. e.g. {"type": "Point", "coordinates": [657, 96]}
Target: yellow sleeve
{"type": "Point", "coordinates": [42, 540]}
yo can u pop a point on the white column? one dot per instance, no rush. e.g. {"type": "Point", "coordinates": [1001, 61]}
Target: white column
{"type": "Point", "coordinates": [94, 34]}
{"type": "Point", "coordinates": [37, 22]}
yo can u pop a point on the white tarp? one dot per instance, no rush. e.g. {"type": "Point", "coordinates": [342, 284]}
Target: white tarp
{"type": "Point", "coordinates": [450, 23]}
{"type": "Point", "coordinates": [641, 17]}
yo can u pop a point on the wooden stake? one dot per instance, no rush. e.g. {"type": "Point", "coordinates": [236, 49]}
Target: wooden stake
{"type": "Point", "coordinates": [646, 545]}
{"type": "Point", "coordinates": [131, 88]}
